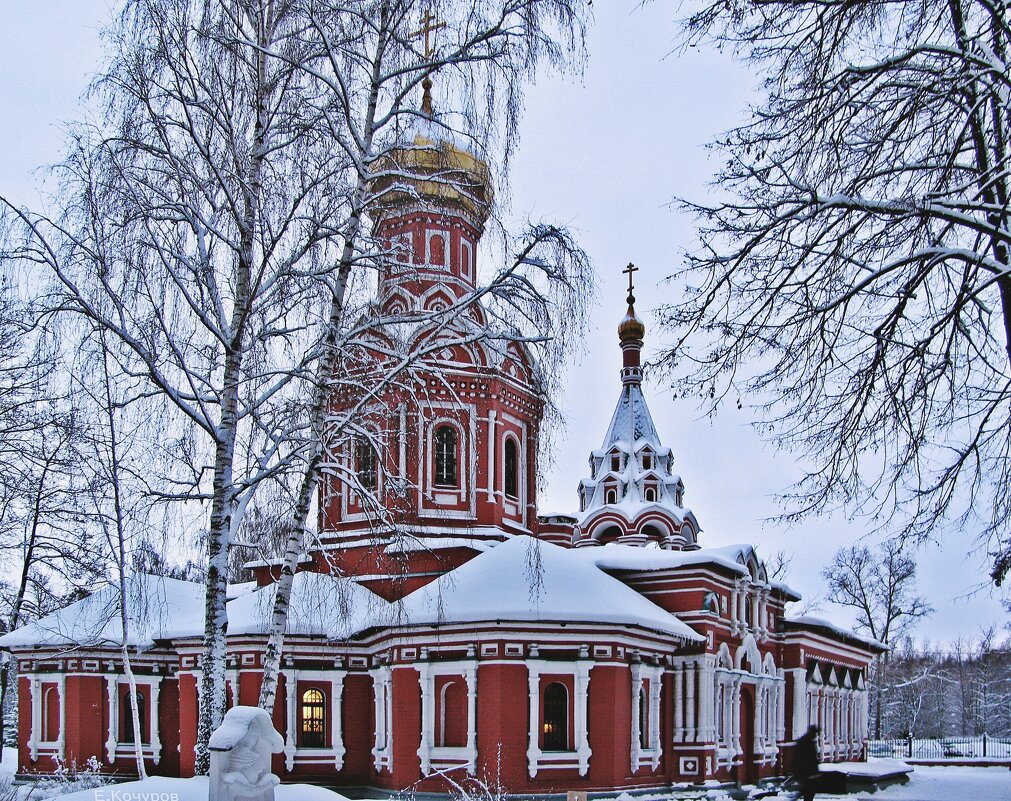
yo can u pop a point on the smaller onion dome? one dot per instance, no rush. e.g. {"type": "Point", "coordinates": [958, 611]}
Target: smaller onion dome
{"type": "Point", "coordinates": [631, 328]}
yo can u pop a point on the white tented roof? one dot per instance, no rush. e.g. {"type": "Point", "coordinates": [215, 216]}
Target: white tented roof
{"type": "Point", "coordinates": [159, 608]}
{"type": "Point", "coordinates": [525, 579]}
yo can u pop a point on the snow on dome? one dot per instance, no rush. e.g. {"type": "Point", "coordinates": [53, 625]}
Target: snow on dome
{"type": "Point", "coordinates": [158, 608]}
{"type": "Point", "coordinates": [321, 605]}
{"type": "Point", "coordinates": [525, 579]}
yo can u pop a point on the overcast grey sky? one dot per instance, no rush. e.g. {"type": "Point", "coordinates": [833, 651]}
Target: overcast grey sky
{"type": "Point", "coordinates": [605, 155]}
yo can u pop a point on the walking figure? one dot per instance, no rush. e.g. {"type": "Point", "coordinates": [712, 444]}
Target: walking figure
{"type": "Point", "coordinates": [805, 763]}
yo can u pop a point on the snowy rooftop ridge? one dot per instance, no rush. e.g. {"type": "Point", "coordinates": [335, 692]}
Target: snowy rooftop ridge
{"type": "Point", "coordinates": [814, 622]}
{"type": "Point", "coordinates": [158, 608]}
{"type": "Point", "coordinates": [524, 580]}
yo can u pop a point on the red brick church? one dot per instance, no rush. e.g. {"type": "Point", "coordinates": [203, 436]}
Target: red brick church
{"type": "Point", "coordinates": [444, 628]}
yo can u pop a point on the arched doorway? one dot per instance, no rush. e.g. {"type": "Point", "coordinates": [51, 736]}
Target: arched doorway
{"type": "Point", "coordinates": [747, 773]}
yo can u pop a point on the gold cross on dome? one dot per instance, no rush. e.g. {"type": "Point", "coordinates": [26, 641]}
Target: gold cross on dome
{"type": "Point", "coordinates": [630, 269]}
{"type": "Point", "coordinates": [428, 27]}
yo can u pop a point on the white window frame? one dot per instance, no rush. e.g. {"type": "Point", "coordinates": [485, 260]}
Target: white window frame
{"type": "Point", "coordinates": [537, 759]}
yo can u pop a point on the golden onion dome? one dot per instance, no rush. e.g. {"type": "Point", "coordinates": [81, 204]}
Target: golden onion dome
{"type": "Point", "coordinates": [432, 172]}
{"type": "Point", "coordinates": [631, 328]}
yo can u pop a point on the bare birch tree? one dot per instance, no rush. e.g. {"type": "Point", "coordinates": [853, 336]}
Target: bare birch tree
{"type": "Point", "coordinates": [211, 225]}
{"type": "Point", "coordinates": [371, 64]}
{"type": "Point", "coordinates": [855, 283]}
{"type": "Point", "coordinates": [193, 225]}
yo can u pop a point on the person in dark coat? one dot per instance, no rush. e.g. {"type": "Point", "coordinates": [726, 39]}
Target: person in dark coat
{"type": "Point", "coordinates": [805, 762]}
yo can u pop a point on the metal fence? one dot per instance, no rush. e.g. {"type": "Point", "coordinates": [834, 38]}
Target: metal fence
{"type": "Point", "coordinates": [954, 748]}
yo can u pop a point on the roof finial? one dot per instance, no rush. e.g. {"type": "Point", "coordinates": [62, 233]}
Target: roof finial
{"type": "Point", "coordinates": [630, 269]}
{"type": "Point", "coordinates": [428, 27]}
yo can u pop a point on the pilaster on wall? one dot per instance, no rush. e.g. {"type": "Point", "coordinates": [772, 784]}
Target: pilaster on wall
{"type": "Point", "coordinates": [799, 722]}
{"type": "Point", "coordinates": [382, 752]}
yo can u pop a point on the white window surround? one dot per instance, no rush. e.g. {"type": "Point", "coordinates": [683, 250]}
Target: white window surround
{"type": "Point", "coordinates": [430, 234]}
{"type": "Point", "coordinates": [114, 686]}
{"type": "Point", "coordinates": [35, 740]}
{"type": "Point", "coordinates": [536, 758]}
{"type": "Point", "coordinates": [382, 751]}
{"type": "Point", "coordinates": [638, 755]}
{"type": "Point", "coordinates": [334, 706]}
{"type": "Point", "coordinates": [435, 758]}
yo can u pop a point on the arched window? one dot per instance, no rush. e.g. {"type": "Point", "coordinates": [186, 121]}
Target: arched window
{"type": "Point", "coordinates": [452, 731]}
{"type": "Point", "coordinates": [643, 718]}
{"type": "Point", "coordinates": [556, 717]}
{"type": "Point", "coordinates": [437, 249]}
{"type": "Point", "coordinates": [711, 603]}
{"type": "Point", "coordinates": [611, 496]}
{"type": "Point", "coordinates": [650, 494]}
{"type": "Point", "coordinates": [50, 714]}
{"type": "Point", "coordinates": [127, 734]}
{"type": "Point", "coordinates": [446, 473]}
{"type": "Point", "coordinates": [365, 464]}
{"type": "Point", "coordinates": [512, 469]}
{"type": "Point", "coordinates": [312, 713]}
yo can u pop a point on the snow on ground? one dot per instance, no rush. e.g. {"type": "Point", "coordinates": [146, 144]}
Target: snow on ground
{"type": "Point", "coordinates": [948, 783]}
{"type": "Point", "coordinates": [159, 788]}
{"type": "Point", "coordinates": [9, 764]}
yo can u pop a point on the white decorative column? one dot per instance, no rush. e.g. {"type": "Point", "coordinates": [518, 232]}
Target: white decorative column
{"type": "Point", "coordinates": [680, 701]}
{"type": "Point", "coordinates": [155, 719]}
{"type": "Point", "coordinates": [492, 452]}
{"type": "Point", "coordinates": [583, 752]}
{"type": "Point", "coordinates": [654, 716]}
{"type": "Point", "coordinates": [707, 692]}
{"type": "Point", "coordinates": [533, 691]}
{"type": "Point", "coordinates": [402, 442]}
{"type": "Point", "coordinates": [635, 750]}
{"type": "Point", "coordinates": [780, 707]}
{"type": "Point", "coordinates": [471, 677]}
{"type": "Point", "coordinates": [336, 715]}
{"type": "Point", "coordinates": [382, 753]}
{"type": "Point", "coordinates": [427, 681]}
{"type": "Point", "coordinates": [112, 691]}
{"type": "Point", "coordinates": [35, 686]}
{"type": "Point", "coordinates": [291, 716]}
{"type": "Point", "coordinates": [61, 691]}
{"type": "Point", "coordinates": [691, 722]}
{"type": "Point", "coordinates": [735, 715]}
{"type": "Point", "coordinates": [799, 723]}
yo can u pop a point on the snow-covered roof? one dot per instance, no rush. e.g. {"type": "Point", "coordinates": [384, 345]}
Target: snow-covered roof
{"type": "Point", "coordinates": [813, 622]}
{"type": "Point", "coordinates": [158, 607]}
{"type": "Point", "coordinates": [525, 579]}
{"type": "Point", "coordinates": [321, 605]}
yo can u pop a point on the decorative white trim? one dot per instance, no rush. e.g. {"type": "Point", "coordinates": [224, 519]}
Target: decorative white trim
{"type": "Point", "coordinates": [290, 716]}
{"type": "Point", "coordinates": [382, 751]}
{"type": "Point", "coordinates": [434, 757]}
{"type": "Point", "coordinates": [580, 757]}
{"type": "Point", "coordinates": [639, 756]}
{"type": "Point", "coordinates": [801, 702]}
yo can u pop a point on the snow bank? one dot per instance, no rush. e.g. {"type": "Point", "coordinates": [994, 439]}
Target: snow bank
{"type": "Point", "coordinates": [164, 789]}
